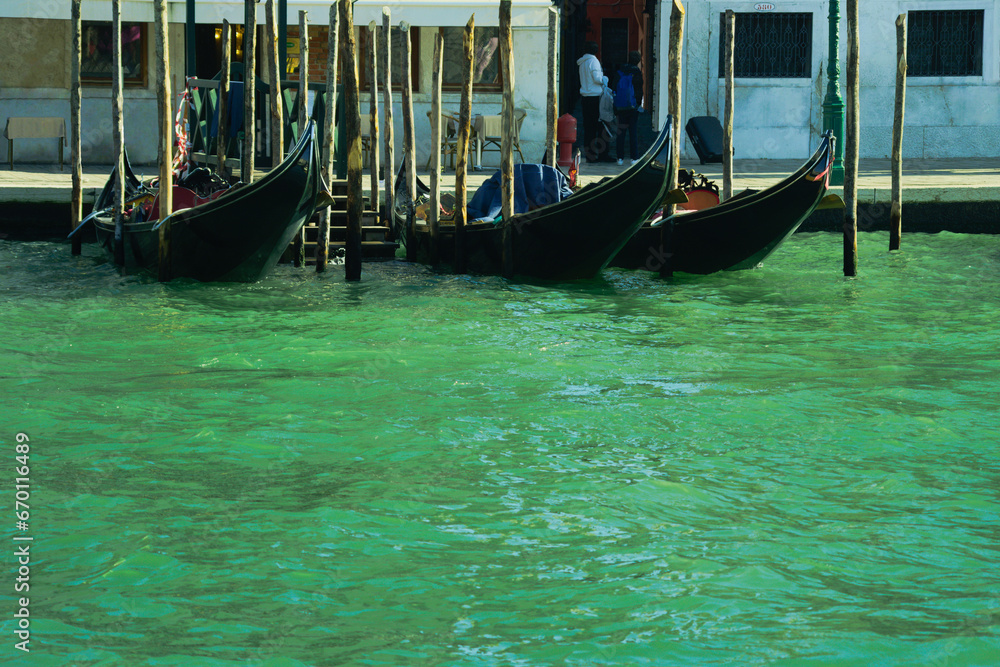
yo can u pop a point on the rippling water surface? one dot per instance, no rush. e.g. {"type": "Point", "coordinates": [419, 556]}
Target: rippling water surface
{"type": "Point", "coordinates": [770, 466]}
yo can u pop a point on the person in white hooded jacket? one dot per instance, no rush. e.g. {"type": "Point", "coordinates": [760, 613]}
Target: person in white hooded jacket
{"type": "Point", "coordinates": [591, 87]}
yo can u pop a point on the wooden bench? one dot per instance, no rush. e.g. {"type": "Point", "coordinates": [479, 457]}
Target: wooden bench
{"type": "Point", "coordinates": [35, 128]}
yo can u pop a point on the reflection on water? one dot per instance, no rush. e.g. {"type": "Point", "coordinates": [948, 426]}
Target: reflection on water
{"type": "Point", "coordinates": [780, 464]}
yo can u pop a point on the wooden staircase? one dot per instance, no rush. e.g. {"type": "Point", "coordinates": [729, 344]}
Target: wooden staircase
{"type": "Point", "coordinates": [375, 236]}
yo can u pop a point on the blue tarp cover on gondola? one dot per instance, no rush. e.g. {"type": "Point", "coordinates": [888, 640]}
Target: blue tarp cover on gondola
{"type": "Point", "coordinates": [235, 121]}
{"type": "Point", "coordinates": [535, 185]}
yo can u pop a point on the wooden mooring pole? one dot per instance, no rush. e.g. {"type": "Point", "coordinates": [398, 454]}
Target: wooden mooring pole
{"type": "Point", "coordinates": [249, 91]}
{"type": "Point", "coordinates": [332, 48]}
{"type": "Point", "coordinates": [76, 196]}
{"type": "Point", "coordinates": [373, 199]}
{"type": "Point", "coordinates": [851, 148]}
{"type": "Point", "coordinates": [164, 146]}
{"type": "Point", "coordinates": [434, 210]}
{"type": "Point", "coordinates": [222, 132]}
{"type": "Point", "coordinates": [674, 65]}
{"type": "Point", "coordinates": [389, 168]}
{"type": "Point", "coordinates": [462, 145]}
{"type": "Point", "coordinates": [118, 130]}
{"type": "Point", "coordinates": [327, 156]}
{"type": "Point", "coordinates": [275, 70]}
{"type": "Point", "coordinates": [727, 116]}
{"type": "Point", "coordinates": [551, 106]}
{"type": "Point", "coordinates": [303, 107]}
{"type": "Point", "coordinates": [674, 60]}
{"type": "Point", "coordinates": [409, 149]}
{"type": "Point", "coordinates": [507, 139]}
{"type": "Point", "coordinates": [896, 209]}
{"type": "Point", "coordinates": [299, 243]}
{"type": "Point", "coordinates": [352, 127]}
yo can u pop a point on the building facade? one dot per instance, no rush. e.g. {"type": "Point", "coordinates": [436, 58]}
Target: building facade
{"type": "Point", "coordinates": [782, 63]}
{"type": "Point", "coordinates": [35, 70]}
{"type": "Point", "coordinates": [782, 57]}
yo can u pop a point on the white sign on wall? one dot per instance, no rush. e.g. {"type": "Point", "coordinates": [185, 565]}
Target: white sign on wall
{"type": "Point", "coordinates": [763, 7]}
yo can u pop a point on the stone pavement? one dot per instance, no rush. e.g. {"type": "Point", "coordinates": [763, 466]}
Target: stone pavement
{"type": "Point", "coordinates": [941, 180]}
{"type": "Point", "coordinates": [961, 195]}
{"type": "Point", "coordinates": [946, 180]}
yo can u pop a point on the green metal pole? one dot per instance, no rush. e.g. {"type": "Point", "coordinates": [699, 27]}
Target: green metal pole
{"type": "Point", "coordinates": [833, 104]}
{"type": "Point", "coordinates": [282, 39]}
{"type": "Point", "coordinates": [192, 52]}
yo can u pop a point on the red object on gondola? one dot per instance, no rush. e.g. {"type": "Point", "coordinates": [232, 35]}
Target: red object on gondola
{"type": "Point", "coordinates": [574, 170]}
{"type": "Point", "coordinates": [566, 136]}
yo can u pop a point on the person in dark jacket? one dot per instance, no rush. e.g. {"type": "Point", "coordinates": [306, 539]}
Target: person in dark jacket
{"type": "Point", "coordinates": [628, 114]}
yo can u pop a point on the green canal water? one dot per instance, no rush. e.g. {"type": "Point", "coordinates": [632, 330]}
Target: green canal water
{"type": "Point", "coordinates": [779, 466]}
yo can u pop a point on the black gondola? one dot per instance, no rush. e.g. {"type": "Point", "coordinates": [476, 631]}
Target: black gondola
{"type": "Point", "coordinates": [236, 235]}
{"type": "Point", "coordinates": [568, 239]}
{"type": "Point", "coordinates": [738, 233]}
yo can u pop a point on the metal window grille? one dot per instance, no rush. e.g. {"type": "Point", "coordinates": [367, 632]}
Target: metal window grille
{"type": "Point", "coordinates": [777, 45]}
{"type": "Point", "coordinates": [945, 43]}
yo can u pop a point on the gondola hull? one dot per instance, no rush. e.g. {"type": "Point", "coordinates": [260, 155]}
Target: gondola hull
{"type": "Point", "coordinates": [737, 234]}
{"type": "Point", "coordinates": [238, 237]}
{"type": "Point", "coordinates": [570, 239]}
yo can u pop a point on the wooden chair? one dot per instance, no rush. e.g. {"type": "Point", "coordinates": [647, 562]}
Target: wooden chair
{"type": "Point", "coordinates": [491, 143]}
{"type": "Point", "coordinates": [449, 138]}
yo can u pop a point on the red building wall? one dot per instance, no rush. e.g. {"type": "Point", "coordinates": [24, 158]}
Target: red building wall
{"type": "Point", "coordinates": [605, 14]}
{"type": "Point", "coordinates": [627, 10]}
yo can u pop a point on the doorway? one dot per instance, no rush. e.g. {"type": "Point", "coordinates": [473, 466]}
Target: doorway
{"type": "Point", "coordinates": [614, 44]}
{"type": "Point", "coordinates": [208, 46]}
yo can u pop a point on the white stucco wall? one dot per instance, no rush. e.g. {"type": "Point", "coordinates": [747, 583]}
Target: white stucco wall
{"type": "Point", "coordinates": [782, 118]}
{"type": "Point", "coordinates": [529, 20]}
